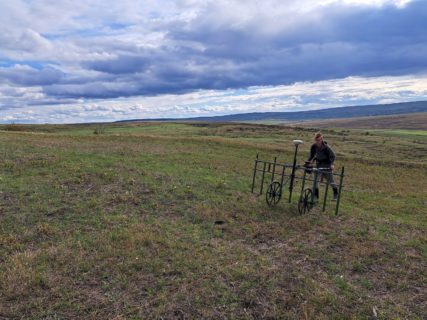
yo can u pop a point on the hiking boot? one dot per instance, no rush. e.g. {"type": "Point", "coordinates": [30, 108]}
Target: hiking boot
{"type": "Point", "coordinates": [335, 197]}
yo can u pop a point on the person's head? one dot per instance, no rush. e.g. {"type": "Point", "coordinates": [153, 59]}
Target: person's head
{"type": "Point", "coordinates": [318, 138]}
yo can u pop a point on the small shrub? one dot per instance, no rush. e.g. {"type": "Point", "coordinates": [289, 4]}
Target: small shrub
{"type": "Point", "coordinates": [99, 130]}
{"type": "Point", "coordinates": [342, 284]}
{"type": "Point", "coordinates": [45, 230]}
{"type": "Point", "coordinates": [365, 283]}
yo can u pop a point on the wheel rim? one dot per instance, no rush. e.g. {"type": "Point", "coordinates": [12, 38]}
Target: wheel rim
{"type": "Point", "coordinates": [274, 193]}
{"type": "Point", "coordinates": [305, 204]}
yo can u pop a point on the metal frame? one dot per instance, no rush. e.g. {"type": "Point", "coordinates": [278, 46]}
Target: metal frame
{"type": "Point", "coordinates": [270, 170]}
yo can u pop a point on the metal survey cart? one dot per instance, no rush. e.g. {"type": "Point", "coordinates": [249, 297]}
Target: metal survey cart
{"type": "Point", "coordinates": [277, 178]}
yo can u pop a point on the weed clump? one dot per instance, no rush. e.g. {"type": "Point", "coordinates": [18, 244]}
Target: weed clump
{"type": "Point", "coordinates": [15, 127]}
{"type": "Point", "coordinates": [99, 130]}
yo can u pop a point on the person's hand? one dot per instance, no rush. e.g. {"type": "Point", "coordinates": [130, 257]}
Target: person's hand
{"type": "Point", "coordinates": [332, 167]}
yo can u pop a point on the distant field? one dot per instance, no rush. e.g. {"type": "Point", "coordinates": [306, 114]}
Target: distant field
{"type": "Point", "coordinates": [414, 121]}
{"type": "Point", "coordinates": [157, 221]}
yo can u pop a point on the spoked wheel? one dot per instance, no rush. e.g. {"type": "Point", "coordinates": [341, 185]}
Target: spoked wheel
{"type": "Point", "coordinates": [274, 193]}
{"type": "Point", "coordinates": [305, 202]}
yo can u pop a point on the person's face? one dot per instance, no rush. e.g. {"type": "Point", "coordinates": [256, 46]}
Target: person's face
{"type": "Point", "coordinates": [319, 141]}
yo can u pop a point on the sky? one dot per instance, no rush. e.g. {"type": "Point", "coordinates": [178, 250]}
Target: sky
{"type": "Point", "coordinates": [69, 61]}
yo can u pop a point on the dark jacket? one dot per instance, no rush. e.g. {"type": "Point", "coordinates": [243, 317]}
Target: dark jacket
{"type": "Point", "coordinates": [324, 155]}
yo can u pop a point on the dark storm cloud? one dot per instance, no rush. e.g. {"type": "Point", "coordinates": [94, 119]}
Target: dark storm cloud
{"type": "Point", "coordinates": [120, 65]}
{"type": "Point", "coordinates": [210, 51]}
{"type": "Point", "coordinates": [345, 41]}
{"type": "Point", "coordinates": [24, 75]}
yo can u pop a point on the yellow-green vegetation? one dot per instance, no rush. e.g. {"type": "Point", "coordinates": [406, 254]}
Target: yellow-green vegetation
{"type": "Point", "coordinates": [408, 122]}
{"type": "Point", "coordinates": [120, 221]}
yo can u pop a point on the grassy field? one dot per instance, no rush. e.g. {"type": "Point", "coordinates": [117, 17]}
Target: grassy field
{"type": "Point", "coordinates": [124, 224]}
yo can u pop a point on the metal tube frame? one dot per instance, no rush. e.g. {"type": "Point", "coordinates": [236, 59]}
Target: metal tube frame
{"type": "Point", "coordinates": [339, 191]}
{"type": "Point", "coordinates": [255, 169]}
{"type": "Point", "coordinates": [292, 177]}
{"type": "Point", "coordinates": [326, 192]}
{"type": "Point", "coordinates": [274, 169]}
{"type": "Point", "coordinates": [316, 173]}
{"type": "Point", "coordinates": [262, 179]}
{"type": "Point", "coordinates": [291, 185]}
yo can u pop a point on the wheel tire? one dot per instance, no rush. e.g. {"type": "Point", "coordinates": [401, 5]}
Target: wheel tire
{"type": "Point", "coordinates": [274, 193]}
{"type": "Point", "coordinates": [305, 204]}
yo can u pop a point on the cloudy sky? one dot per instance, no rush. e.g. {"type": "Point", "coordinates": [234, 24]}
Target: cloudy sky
{"type": "Point", "coordinates": [75, 61]}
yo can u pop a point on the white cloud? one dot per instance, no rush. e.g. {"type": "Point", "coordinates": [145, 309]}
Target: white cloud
{"type": "Point", "coordinates": [102, 60]}
{"type": "Point", "coordinates": [296, 97]}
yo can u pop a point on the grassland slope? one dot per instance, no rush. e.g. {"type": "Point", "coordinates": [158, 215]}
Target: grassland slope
{"type": "Point", "coordinates": [415, 121]}
{"type": "Point", "coordinates": [125, 225]}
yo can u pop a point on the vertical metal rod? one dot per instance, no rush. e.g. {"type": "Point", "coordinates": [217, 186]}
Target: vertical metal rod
{"type": "Point", "coordinates": [326, 191]}
{"type": "Point", "coordinates": [291, 185]}
{"type": "Point", "coordinates": [281, 180]}
{"type": "Point", "coordinates": [339, 191]}
{"type": "Point", "coordinates": [253, 179]}
{"type": "Point", "coordinates": [314, 185]}
{"type": "Point", "coordinates": [262, 179]}
{"type": "Point", "coordinates": [274, 169]}
{"type": "Point", "coordinates": [303, 181]}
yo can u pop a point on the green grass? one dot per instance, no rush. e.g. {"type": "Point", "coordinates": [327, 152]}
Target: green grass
{"type": "Point", "coordinates": [122, 225]}
{"type": "Point", "coordinates": [397, 132]}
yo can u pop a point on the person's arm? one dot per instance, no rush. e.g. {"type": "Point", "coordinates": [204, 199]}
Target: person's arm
{"type": "Point", "coordinates": [312, 154]}
{"type": "Point", "coordinates": [332, 157]}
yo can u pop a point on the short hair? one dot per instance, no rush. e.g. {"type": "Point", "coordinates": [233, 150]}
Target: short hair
{"type": "Point", "coordinates": [318, 135]}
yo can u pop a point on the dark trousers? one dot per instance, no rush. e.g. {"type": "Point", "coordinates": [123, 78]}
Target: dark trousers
{"type": "Point", "coordinates": [328, 175]}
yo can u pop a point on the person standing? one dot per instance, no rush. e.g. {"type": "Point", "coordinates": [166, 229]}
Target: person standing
{"type": "Point", "coordinates": [324, 156]}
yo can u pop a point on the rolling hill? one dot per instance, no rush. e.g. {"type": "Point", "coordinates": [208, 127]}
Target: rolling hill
{"type": "Point", "coordinates": [331, 113]}
{"type": "Point", "coordinates": [413, 121]}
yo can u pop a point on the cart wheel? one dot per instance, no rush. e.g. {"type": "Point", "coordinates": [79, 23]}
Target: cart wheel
{"type": "Point", "coordinates": [274, 193]}
{"type": "Point", "coordinates": [305, 202]}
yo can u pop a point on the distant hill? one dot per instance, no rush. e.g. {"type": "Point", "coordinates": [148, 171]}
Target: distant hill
{"type": "Point", "coordinates": [331, 113]}
{"type": "Point", "coordinates": [411, 121]}
{"type": "Point", "coordinates": [324, 114]}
